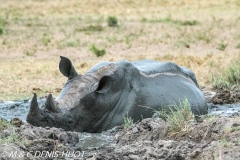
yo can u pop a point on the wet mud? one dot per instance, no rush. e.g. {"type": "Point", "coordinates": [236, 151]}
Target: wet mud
{"type": "Point", "coordinates": [213, 137]}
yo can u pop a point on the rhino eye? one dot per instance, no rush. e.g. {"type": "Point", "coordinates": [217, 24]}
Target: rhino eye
{"type": "Point", "coordinates": [93, 87]}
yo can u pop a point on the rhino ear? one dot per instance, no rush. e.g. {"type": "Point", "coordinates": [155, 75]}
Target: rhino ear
{"type": "Point", "coordinates": [66, 68]}
{"type": "Point", "coordinates": [105, 84]}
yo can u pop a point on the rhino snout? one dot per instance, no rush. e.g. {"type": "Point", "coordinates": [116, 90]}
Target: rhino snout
{"type": "Point", "coordinates": [41, 117]}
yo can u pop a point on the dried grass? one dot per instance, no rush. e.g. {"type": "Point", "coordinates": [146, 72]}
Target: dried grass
{"type": "Point", "coordinates": [36, 33]}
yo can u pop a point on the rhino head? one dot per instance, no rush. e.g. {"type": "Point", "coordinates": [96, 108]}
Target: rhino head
{"type": "Point", "coordinates": [83, 104]}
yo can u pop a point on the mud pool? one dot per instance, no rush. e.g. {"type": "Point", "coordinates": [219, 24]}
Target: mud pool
{"type": "Point", "coordinates": [224, 110]}
{"type": "Point", "coordinates": [19, 109]}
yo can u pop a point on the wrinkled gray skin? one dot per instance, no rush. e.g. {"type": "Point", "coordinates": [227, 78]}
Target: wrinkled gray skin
{"type": "Point", "coordinates": [98, 100]}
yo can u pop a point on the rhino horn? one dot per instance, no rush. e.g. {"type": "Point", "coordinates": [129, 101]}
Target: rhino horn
{"type": "Point", "coordinates": [50, 104]}
{"type": "Point", "coordinates": [34, 109]}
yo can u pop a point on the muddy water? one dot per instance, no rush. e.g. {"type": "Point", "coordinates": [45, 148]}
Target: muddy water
{"type": "Point", "coordinates": [12, 109]}
{"type": "Point", "coordinates": [89, 140]}
{"type": "Point", "coordinates": [224, 110]}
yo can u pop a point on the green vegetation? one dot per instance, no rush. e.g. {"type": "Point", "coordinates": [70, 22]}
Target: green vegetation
{"type": "Point", "coordinates": [230, 77]}
{"type": "Point", "coordinates": [128, 121]}
{"type": "Point", "coordinates": [46, 39]}
{"type": "Point", "coordinates": [112, 39]}
{"type": "Point", "coordinates": [182, 44]}
{"type": "Point", "coordinates": [112, 21]}
{"type": "Point", "coordinates": [222, 46]}
{"type": "Point", "coordinates": [30, 51]}
{"type": "Point", "coordinates": [1, 29]}
{"type": "Point", "coordinates": [91, 28]}
{"type": "Point", "coordinates": [68, 43]}
{"type": "Point", "coordinates": [129, 38]}
{"type": "Point", "coordinates": [10, 137]}
{"type": "Point", "coordinates": [2, 24]}
{"type": "Point", "coordinates": [225, 143]}
{"type": "Point", "coordinates": [96, 51]}
{"type": "Point", "coordinates": [73, 43]}
{"type": "Point", "coordinates": [212, 119]}
{"type": "Point", "coordinates": [178, 117]}
{"type": "Point", "coordinates": [233, 129]}
{"type": "Point", "coordinates": [169, 20]}
{"type": "Point", "coordinates": [3, 124]}
{"type": "Point", "coordinates": [203, 36]}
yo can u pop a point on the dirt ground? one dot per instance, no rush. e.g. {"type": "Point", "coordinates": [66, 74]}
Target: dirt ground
{"type": "Point", "coordinates": [211, 139]}
{"type": "Point", "coordinates": [215, 138]}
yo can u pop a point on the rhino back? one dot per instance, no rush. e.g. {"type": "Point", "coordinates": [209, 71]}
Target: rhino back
{"type": "Point", "coordinates": [150, 67]}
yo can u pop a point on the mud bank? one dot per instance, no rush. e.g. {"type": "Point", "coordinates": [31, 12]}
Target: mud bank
{"type": "Point", "coordinates": [49, 143]}
{"type": "Point", "coordinates": [211, 139]}
{"type": "Point", "coordinates": [214, 138]}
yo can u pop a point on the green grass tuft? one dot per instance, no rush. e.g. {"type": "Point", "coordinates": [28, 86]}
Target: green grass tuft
{"type": "Point", "coordinates": [3, 23]}
{"type": "Point", "coordinates": [128, 121]}
{"type": "Point", "coordinates": [12, 137]}
{"type": "Point", "coordinates": [112, 21]}
{"type": "Point", "coordinates": [169, 20]}
{"type": "Point", "coordinates": [222, 46]}
{"type": "Point", "coordinates": [225, 143]}
{"type": "Point", "coordinates": [91, 28]}
{"type": "Point", "coordinates": [178, 117]}
{"type": "Point", "coordinates": [73, 43]}
{"type": "Point", "coordinates": [3, 124]}
{"type": "Point", "coordinates": [30, 51]}
{"type": "Point", "coordinates": [1, 30]}
{"type": "Point", "coordinates": [230, 77]}
{"type": "Point", "coordinates": [46, 39]}
{"type": "Point", "coordinates": [68, 43]}
{"type": "Point", "coordinates": [233, 129]}
{"type": "Point", "coordinates": [96, 51]}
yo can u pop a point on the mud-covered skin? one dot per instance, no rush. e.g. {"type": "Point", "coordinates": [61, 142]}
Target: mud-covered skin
{"type": "Point", "coordinates": [98, 100]}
